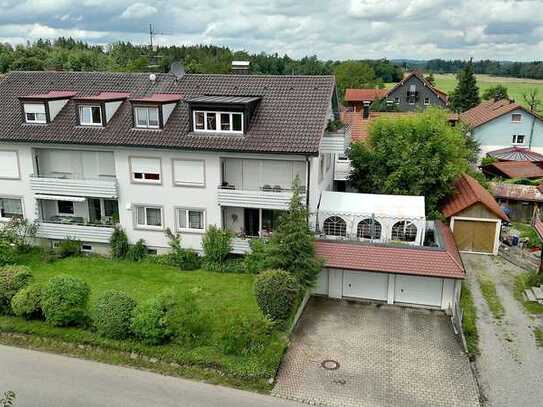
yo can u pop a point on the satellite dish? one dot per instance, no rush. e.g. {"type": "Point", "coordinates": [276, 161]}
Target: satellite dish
{"type": "Point", "coordinates": [152, 77]}
{"type": "Point", "coordinates": [177, 69]}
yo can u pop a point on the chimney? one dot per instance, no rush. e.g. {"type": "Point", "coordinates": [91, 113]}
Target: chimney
{"type": "Point", "coordinates": [366, 109]}
{"type": "Point", "coordinates": [240, 67]}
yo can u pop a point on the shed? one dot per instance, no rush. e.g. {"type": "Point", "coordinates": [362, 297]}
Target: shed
{"type": "Point", "coordinates": [474, 217]}
{"type": "Point", "coordinates": [519, 201]}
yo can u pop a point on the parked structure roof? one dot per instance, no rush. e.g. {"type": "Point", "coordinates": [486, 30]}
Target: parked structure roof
{"type": "Point", "coordinates": [414, 260]}
{"type": "Point", "coordinates": [290, 118]}
{"type": "Point", "coordinates": [469, 192]}
{"type": "Point", "coordinates": [515, 154]}
{"type": "Point", "coordinates": [515, 169]}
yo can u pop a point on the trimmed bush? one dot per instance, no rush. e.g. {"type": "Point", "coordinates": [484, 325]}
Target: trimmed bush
{"type": "Point", "coordinates": [187, 321]}
{"type": "Point", "coordinates": [137, 252]}
{"type": "Point", "coordinates": [257, 259]}
{"type": "Point", "coordinates": [12, 279]}
{"type": "Point", "coordinates": [119, 243]}
{"type": "Point", "coordinates": [7, 253]}
{"type": "Point", "coordinates": [242, 336]}
{"type": "Point", "coordinates": [27, 302]}
{"type": "Point", "coordinates": [150, 323]}
{"type": "Point", "coordinates": [68, 248]}
{"type": "Point", "coordinates": [275, 292]}
{"type": "Point", "coordinates": [217, 246]}
{"type": "Point", "coordinates": [64, 301]}
{"type": "Point", "coordinates": [113, 314]}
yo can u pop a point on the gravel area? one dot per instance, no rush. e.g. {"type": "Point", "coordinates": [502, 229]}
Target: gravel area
{"type": "Point", "coordinates": [510, 367]}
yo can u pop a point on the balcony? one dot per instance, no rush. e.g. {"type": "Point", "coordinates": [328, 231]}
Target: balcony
{"type": "Point", "coordinates": [97, 188]}
{"type": "Point", "coordinates": [265, 198]}
{"type": "Point", "coordinates": [342, 170]}
{"type": "Point", "coordinates": [82, 232]}
{"type": "Point", "coordinates": [337, 141]}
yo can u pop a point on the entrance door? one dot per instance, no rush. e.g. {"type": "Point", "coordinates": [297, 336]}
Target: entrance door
{"type": "Point", "coordinates": [95, 213]}
{"type": "Point", "coordinates": [418, 290]}
{"type": "Point", "coordinates": [474, 236]}
{"type": "Point", "coordinates": [363, 284]}
{"type": "Point", "coordinates": [251, 221]}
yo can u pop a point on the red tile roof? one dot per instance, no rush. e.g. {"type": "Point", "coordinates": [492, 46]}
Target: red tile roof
{"type": "Point", "coordinates": [420, 261]}
{"type": "Point", "coordinates": [517, 192]}
{"type": "Point", "coordinates": [361, 95]}
{"type": "Point", "coordinates": [105, 96]}
{"type": "Point", "coordinates": [515, 154]}
{"type": "Point", "coordinates": [54, 94]}
{"type": "Point", "coordinates": [159, 98]}
{"type": "Point", "coordinates": [361, 127]}
{"type": "Point", "coordinates": [467, 193]}
{"type": "Point", "coordinates": [490, 110]}
{"type": "Point", "coordinates": [516, 169]}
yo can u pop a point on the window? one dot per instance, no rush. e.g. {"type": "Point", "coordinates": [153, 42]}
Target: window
{"type": "Point", "coordinates": [148, 217]}
{"type": "Point", "coordinates": [404, 231]}
{"type": "Point", "coordinates": [147, 117]}
{"type": "Point", "coordinates": [90, 115]}
{"type": "Point", "coordinates": [519, 138]}
{"type": "Point", "coordinates": [111, 208]}
{"type": "Point", "coordinates": [222, 122]}
{"type": "Point", "coordinates": [189, 172]}
{"type": "Point", "coordinates": [65, 207]}
{"type": "Point", "coordinates": [11, 208]}
{"type": "Point", "coordinates": [192, 219]}
{"type": "Point", "coordinates": [145, 170]}
{"type": "Point", "coordinates": [9, 165]}
{"type": "Point", "coordinates": [397, 100]}
{"type": "Point", "coordinates": [335, 226]}
{"type": "Point", "coordinates": [86, 247]}
{"type": "Point", "coordinates": [342, 157]}
{"type": "Point", "coordinates": [35, 113]}
{"type": "Point", "coordinates": [426, 101]}
{"type": "Point", "coordinates": [516, 117]}
{"type": "Point", "coordinates": [368, 229]}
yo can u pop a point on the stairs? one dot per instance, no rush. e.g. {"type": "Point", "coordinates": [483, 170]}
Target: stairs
{"type": "Point", "coordinates": [534, 294]}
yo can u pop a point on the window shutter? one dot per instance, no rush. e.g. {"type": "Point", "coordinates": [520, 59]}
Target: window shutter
{"type": "Point", "coordinates": [146, 165]}
{"type": "Point", "coordinates": [9, 165]}
{"type": "Point", "coordinates": [189, 172]}
{"type": "Point", "coordinates": [34, 108]}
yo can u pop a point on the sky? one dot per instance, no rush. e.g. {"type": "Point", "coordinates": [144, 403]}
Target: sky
{"type": "Point", "coordinates": [333, 29]}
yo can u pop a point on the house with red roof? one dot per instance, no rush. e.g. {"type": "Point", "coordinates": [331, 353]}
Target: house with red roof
{"type": "Point", "coordinates": [504, 128]}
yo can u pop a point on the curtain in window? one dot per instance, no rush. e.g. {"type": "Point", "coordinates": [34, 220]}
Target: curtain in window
{"type": "Point", "coordinates": [195, 220]}
{"type": "Point", "coordinates": [140, 216]}
{"type": "Point", "coordinates": [153, 217]}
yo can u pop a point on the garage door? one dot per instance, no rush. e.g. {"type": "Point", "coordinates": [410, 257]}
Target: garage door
{"type": "Point", "coordinates": [418, 290]}
{"type": "Point", "coordinates": [474, 236]}
{"type": "Point", "coordinates": [361, 284]}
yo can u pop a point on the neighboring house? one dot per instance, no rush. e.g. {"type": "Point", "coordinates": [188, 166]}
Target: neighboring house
{"type": "Point", "coordinates": [502, 124]}
{"type": "Point", "coordinates": [513, 169]}
{"type": "Point", "coordinates": [381, 248]}
{"type": "Point", "coordinates": [474, 217]}
{"type": "Point", "coordinates": [80, 151]}
{"type": "Point", "coordinates": [359, 100]}
{"type": "Point", "coordinates": [518, 201]}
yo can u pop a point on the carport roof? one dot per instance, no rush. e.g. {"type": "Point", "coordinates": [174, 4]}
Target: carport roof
{"type": "Point", "coordinates": [443, 262]}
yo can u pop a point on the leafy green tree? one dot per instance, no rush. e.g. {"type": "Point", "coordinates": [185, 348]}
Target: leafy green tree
{"type": "Point", "coordinates": [533, 100]}
{"type": "Point", "coordinates": [466, 94]}
{"type": "Point", "coordinates": [497, 92]}
{"type": "Point", "coordinates": [354, 74]}
{"type": "Point", "coordinates": [291, 247]}
{"type": "Point", "coordinates": [412, 155]}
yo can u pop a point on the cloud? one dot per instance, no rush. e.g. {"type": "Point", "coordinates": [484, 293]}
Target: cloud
{"type": "Point", "coordinates": [330, 29]}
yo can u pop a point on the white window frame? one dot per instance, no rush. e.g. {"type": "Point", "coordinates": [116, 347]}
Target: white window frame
{"type": "Point", "coordinates": [186, 210]}
{"type": "Point", "coordinates": [91, 123]}
{"type": "Point", "coordinates": [515, 141]}
{"type": "Point", "coordinates": [36, 120]}
{"type": "Point", "coordinates": [145, 225]}
{"type": "Point", "coordinates": [426, 101]}
{"type": "Point", "coordinates": [516, 114]}
{"type": "Point", "coordinates": [148, 125]}
{"type": "Point", "coordinates": [217, 122]}
{"type": "Point", "coordinates": [15, 198]}
{"type": "Point", "coordinates": [143, 180]}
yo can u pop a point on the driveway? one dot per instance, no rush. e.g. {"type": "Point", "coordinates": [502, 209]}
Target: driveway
{"type": "Point", "coordinates": [510, 366]}
{"type": "Point", "coordinates": [387, 355]}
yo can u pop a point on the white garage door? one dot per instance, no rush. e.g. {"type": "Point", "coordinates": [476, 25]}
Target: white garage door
{"type": "Point", "coordinates": [418, 290]}
{"type": "Point", "coordinates": [361, 284]}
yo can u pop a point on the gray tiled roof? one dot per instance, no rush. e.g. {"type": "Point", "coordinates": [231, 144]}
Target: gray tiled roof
{"type": "Point", "coordinates": [290, 117]}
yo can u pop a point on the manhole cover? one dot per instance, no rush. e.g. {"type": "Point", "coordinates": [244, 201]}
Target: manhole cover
{"type": "Point", "coordinates": [330, 364]}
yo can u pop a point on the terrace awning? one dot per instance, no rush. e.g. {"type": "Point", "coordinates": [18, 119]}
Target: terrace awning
{"type": "Point", "coordinates": [61, 198]}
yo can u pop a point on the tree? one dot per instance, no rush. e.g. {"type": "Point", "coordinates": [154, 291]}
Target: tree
{"type": "Point", "coordinates": [466, 94]}
{"type": "Point", "coordinates": [412, 155]}
{"type": "Point", "coordinates": [497, 92]}
{"type": "Point", "coordinates": [532, 100]}
{"type": "Point", "coordinates": [354, 74]}
{"type": "Point", "coordinates": [291, 247]}
{"type": "Point", "coordinates": [430, 78]}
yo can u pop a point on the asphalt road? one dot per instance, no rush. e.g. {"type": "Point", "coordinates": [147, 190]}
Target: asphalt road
{"type": "Point", "coordinates": [48, 380]}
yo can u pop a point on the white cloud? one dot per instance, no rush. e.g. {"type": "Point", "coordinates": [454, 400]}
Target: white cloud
{"type": "Point", "coordinates": [139, 11]}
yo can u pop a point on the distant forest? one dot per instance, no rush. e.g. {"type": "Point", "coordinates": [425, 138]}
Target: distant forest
{"type": "Point", "coordinates": [530, 70]}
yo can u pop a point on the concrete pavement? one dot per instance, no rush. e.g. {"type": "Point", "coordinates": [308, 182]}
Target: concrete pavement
{"type": "Point", "coordinates": [48, 380]}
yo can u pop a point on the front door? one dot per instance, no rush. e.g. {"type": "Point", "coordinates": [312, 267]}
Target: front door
{"type": "Point", "coordinates": [252, 221]}
{"type": "Point", "coordinates": [95, 213]}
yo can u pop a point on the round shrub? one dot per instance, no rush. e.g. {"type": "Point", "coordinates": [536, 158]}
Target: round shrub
{"type": "Point", "coordinates": [275, 292]}
{"type": "Point", "coordinates": [150, 323]}
{"type": "Point", "coordinates": [64, 301]}
{"type": "Point", "coordinates": [27, 302]}
{"type": "Point", "coordinates": [113, 314]}
{"type": "Point", "coordinates": [12, 279]}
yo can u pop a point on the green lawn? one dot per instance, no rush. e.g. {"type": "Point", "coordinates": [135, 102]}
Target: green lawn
{"type": "Point", "coordinates": [522, 282]}
{"type": "Point", "coordinates": [222, 297]}
{"type": "Point", "coordinates": [488, 289]}
{"type": "Point", "coordinates": [469, 323]}
{"type": "Point", "coordinates": [515, 86]}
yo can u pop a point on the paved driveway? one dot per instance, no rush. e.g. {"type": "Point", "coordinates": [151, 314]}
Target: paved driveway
{"type": "Point", "coordinates": [388, 356]}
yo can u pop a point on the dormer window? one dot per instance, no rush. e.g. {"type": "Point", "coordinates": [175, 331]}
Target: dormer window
{"type": "Point", "coordinates": [147, 117]}
{"type": "Point", "coordinates": [35, 113]}
{"type": "Point", "coordinates": [90, 115]}
{"type": "Point", "coordinates": [218, 122]}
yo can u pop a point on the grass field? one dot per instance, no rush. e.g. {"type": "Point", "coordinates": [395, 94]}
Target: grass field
{"type": "Point", "coordinates": [515, 86]}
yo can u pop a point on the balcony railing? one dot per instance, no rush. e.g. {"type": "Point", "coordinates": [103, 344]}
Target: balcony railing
{"type": "Point", "coordinates": [97, 188]}
{"type": "Point", "coordinates": [240, 245]}
{"type": "Point", "coordinates": [84, 232]}
{"type": "Point", "coordinates": [336, 142]}
{"type": "Point", "coordinates": [267, 198]}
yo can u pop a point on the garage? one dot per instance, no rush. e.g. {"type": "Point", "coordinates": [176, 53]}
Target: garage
{"type": "Point", "coordinates": [367, 285]}
{"type": "Point", "coordinates": [474, 217]}
{"type": "Point", "coordinates": [418, 290]}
